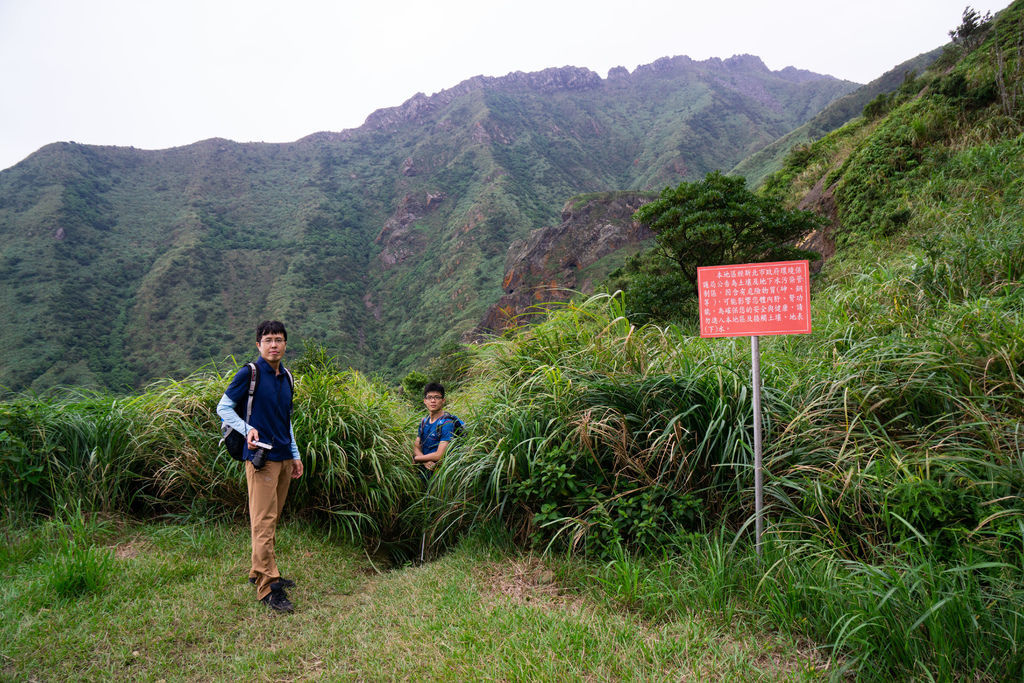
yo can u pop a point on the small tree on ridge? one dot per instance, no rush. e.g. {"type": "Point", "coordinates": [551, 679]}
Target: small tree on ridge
{"type": "Point", "coordinates": [716, 221]}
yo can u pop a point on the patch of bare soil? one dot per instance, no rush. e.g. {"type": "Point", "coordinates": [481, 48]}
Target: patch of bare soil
{"type": "Point", "coordinates": [821, 200]}
{"type": "Point", "coordinates": [130, 549]}
{"type": "Point", "coordinates": [779, 657]}
{"type": "Point", "coordinates": [525, 581]}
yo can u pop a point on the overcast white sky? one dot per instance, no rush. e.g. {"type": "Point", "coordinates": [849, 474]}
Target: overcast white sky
{"type": "Point", "coordinates": [156, 73]}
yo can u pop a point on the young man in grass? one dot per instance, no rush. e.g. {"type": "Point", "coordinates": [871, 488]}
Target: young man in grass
{"type": "Point", "coordinates": [269, 425]}
{"type": "Point", "coordinates": [436, 431]}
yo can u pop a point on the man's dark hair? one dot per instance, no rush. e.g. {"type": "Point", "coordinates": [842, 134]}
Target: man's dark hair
{"type": "Point", "coordinates": [270, 327]}
{"type": "Point", "coordinates": [433, 386]}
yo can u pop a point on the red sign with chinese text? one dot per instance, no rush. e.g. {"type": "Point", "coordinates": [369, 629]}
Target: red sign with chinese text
{"type": "Point", "coordinates": [754, 299]}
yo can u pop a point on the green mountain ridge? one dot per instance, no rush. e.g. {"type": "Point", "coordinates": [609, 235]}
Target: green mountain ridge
{"type": "Point", "coordinates": [840, 111]}
{"type": "Point", "coordinates": [382, 243]}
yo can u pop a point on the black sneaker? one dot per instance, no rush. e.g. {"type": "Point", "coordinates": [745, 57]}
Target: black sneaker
{"type": "Point", "coordinates": [285, 583]}
{"type": "Point", "coordinates": [277, 599]}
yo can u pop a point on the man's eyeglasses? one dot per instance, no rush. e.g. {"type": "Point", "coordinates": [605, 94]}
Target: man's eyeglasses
{"type": "Point", "coordinates": [272, 340]}
{"type": "Point", "coordinates": [433, 397]}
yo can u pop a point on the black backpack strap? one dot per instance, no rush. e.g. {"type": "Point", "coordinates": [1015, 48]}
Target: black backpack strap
{"type": "Point", "coordinates": [457, 424]}
{"type": "Point", "coordinates": [291, 385]}
{"type": "Point", "coordinates": [450, 418]}
{"type": "Point", "coordinates": [254, 378]}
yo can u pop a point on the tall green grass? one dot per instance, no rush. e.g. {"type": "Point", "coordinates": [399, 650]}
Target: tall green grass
{"type": "Point", "coordinates": [356, 441]}
{"type": "Point", "coordinates": [157, 453]}
{"type": "Point", "coordinates": [589, 418]}
{"type": "Point", "coordinates": [911, 617]}
{"type": "Point", "coordinates": [82, 449]}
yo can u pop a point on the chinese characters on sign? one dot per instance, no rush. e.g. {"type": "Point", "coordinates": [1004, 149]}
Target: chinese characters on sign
{"type": "Point", "coordinates": [754, 299]}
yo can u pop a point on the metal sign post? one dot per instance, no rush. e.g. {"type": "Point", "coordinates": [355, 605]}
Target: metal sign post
{"type": "Point", "coordinates": [755, 299]}
{"type": "Point", "coordinates": [755, 359]}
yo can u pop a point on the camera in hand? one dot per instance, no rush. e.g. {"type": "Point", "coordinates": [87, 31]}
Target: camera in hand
{"type": "Point", "coordinates": [259, 455]}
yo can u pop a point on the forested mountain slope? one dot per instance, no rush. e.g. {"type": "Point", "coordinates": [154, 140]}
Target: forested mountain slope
{"type": "Point", "coordinates": [382, 243]}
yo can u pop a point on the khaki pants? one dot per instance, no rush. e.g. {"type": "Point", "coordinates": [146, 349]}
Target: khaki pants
{"type": "Point", "coordinates": [268, 489]}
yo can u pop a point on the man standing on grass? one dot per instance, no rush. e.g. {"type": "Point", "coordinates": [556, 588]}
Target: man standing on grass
{"type": "Point", "coordinates": [436, 431]}
{"type": "Point", "coordinates": [269, 429]}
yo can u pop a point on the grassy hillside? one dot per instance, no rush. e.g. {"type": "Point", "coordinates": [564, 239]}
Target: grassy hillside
{"type": "Point", "coordinates": [770, 158]}
{"type": "Point", "coordinates": [941, 155]}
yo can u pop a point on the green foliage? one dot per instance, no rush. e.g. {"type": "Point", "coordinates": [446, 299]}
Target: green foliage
{"type": "Point", "coordinates": [412, 386]}
{"type": "Point", "coordinates": [965, 94]}
{"type": "Point", "coordinates": [564, 484]}
{"type": "Point", "coordinates": [937, 509]}
{"type": "Point", "coordinates": [716, 221]}
{"type": "Point", "coordinates": [906, 618]}
{"type": "Point", "coordinates": [450, 365]}
{"type": "Point", "coordinates": [315, 358]}
{"type": "Point", "coordinates": [157, 452]}
{"type": "Point", "coordinates": [579, 445]}
{"type": "Point", "coordinates": [879, 107]}
{"type": "Point", "coordinates": [803, 165]}
{"type": "Point", "coordinates": [356, 446]}
{"type": "Point", "coordinates": [770, 159]}
{"type": "Point", "coordinates": [654, 289]}
{"type": "Point", "coordinates": [892, 451]}
{"type": "Point", "coordinates": [898, 173]}
{"type": "Point", "coordinates": [79, 451]}
{"type": "Point", "coordinates": [21, 475]}
{"type": "Point", "coordinates": [879, 190]}
{"type": "Point", "coordinates": [79, 568]}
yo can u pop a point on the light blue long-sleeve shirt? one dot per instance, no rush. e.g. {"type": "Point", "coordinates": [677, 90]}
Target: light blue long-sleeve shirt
{"type": "Point", "coordinates": [226, 410]}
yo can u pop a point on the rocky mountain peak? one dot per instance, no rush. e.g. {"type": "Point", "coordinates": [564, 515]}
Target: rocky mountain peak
{"type": "Point", "coordinates": [745, 61]}
{"type": "Point", "coordinates": [418, 107]}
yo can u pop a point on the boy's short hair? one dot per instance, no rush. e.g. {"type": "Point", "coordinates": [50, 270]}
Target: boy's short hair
{"type": "Point", "coordinates": [270, 327]}
{"type": "Point", "coordinates": [433, 386]}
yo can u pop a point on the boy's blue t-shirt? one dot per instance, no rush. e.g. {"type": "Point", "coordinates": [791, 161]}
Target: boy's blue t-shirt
{"type": "Point", "coordinates": [271, 407]}
{"type": "Point", "coordinates": [429, 437]}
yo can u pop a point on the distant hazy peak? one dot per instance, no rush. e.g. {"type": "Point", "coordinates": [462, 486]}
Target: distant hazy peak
{"type": "Point", "coordinates": [571, 78]}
